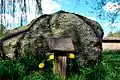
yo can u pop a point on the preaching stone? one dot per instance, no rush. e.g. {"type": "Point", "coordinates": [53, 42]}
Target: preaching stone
{"type": "Point", "coordinates": [86, 35]}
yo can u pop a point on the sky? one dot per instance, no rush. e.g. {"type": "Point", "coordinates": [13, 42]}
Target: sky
{"type": "Point", "coordinates": [80, 7]}
{"type": "Point", "coordinates": [83, 9]}
{"type": "Point", "coordinates": [14, 22]}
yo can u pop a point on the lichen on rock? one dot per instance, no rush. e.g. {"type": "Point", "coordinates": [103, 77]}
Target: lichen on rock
{"type": "Point", "coordinates": [86, 34]}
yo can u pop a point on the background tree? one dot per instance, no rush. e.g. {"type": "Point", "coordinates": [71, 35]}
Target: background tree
{"type": "Point", "coordinates": [112, 16]}
{"type": "Point", "coordinates": [116, 34]}
{"type": "Point", "coordinates": [24, 5]}
{"type": "Point", "coordinates": [2, 30]}
{"type": "Point", "coordinates": [12, 6]}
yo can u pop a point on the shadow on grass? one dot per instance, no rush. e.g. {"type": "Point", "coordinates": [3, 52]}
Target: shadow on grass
{"type": "Point", "coordinates": [26, 68]}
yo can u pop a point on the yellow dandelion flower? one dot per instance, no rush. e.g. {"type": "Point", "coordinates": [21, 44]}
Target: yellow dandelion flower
{"type": "Point", "coordinates": [51, 57]}
{"type": "Point", "coordinates": [71, 55]}
{"type": "Point", "coordinates": [41, 65]}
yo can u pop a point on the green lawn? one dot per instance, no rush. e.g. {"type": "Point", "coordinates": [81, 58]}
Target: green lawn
{"type": "Point", "coordinates": [26, 68]}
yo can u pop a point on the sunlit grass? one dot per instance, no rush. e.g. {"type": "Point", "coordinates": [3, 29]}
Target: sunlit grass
{"type": "Point", "coordinates": [26, 68]}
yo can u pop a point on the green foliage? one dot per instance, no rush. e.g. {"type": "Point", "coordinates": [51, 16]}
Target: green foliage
{"type": "Point", "coordinates": [108, 68]}
{"type": "Point", "coordinates": [111, 61]}
{"type": "Point", "coordinates": [116, 34]}
{"type": "Point", "coordinates": [96, 72]}
{"type": "Point", "coordinates": [11, 69]}
{"type": "Point", "coordinates": [42, 75]}
{"type": "Point", "coordinates": [30, 63]}
{"type": "Point", "coordinates": [26, 68]}
{"type": "Point", "coordinates": [2, 30]}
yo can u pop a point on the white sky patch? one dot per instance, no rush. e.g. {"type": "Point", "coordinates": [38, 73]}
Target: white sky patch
{"type": "Point", "coordinates": [49, 6]}
{"type": "Point", "coordinates": [111, 6]}
{"type": "Point", "coordinates": [8, 19]}
{"type": "Point", "coordinates": [31, 10]}
{"type": "Point", "coordinates": [90, 17]}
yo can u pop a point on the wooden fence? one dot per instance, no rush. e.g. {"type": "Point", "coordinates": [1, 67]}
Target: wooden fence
{"type": "Point", "coordinates": [111, 43]}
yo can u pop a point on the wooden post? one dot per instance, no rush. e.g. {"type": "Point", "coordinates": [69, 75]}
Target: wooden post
{"type": "Point", "coordinates": [60, 47]}
{"type": "Point", "coordinates": [60, 65]}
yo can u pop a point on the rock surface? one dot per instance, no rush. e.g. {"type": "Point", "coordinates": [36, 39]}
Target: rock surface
{"type": "Point", "coordinates": [86, 34]}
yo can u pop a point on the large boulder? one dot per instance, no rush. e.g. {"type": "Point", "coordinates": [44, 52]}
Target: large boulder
{"type": "Point", "coordinates": [86, 34]}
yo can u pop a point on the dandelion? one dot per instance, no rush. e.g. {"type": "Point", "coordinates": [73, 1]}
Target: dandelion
{"type": "Point", "coordinates": [41, 65]}
{"type": "Point", "coordinates": [71, 55]}
{"type": "Point", "coordinates": [51, 56]}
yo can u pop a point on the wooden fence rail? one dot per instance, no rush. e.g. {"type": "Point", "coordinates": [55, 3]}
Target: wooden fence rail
{"type": "Point", "coordinates": [111, 43]}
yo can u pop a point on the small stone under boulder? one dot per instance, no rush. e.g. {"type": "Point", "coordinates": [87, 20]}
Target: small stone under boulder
{"type": "Point", "coordinates": [86, 35]}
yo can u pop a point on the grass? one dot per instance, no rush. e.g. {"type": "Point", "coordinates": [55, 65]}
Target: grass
{"type": "Point", "coordinates": [26, 68]}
